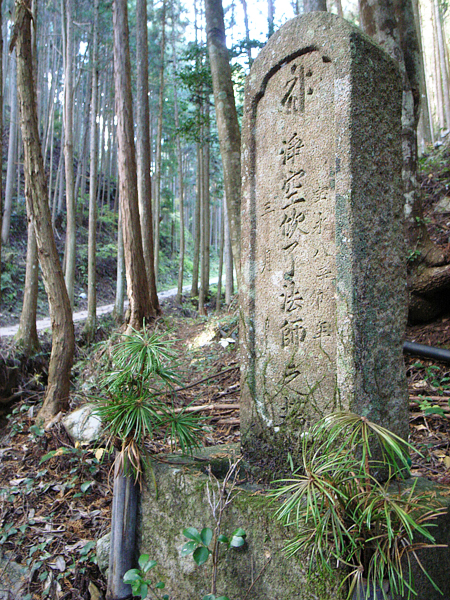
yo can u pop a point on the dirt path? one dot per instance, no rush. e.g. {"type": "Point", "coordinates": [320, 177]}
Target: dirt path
{"type": "Point", "coordinates": [43, 324]}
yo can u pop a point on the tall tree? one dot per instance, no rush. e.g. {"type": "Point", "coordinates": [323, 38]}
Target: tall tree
{"type": "Point", "coordinates": [27, 336]}
{"type": "Point", "coordinates": [143, 150]}
{"type": "Point", "coordinates": [90, 325]}
{"type": "Point", "coordinates": [227, 122]}
{"type": "Point", "coordinates": [1, 137]}
{"type": "Point", "coordinates": [179, 164]}
{"type": "Point", "coordinates": [68, 152]}
{"type": "Point", "coordinates": [138, 293]}
{"type": "Point", "coordinates": [63, 339]}
{"type": "Point", "coordinates": [11, 169]}
{"type": "Point", "coordinates": [158, 161]}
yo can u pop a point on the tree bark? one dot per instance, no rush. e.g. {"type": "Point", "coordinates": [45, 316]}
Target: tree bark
{"type": "Point", "coordinates": [229, 283]}
{"type": "Point", "coordinates": [158, 158]}
{"type": "Point", "coordinates": [120, 280]}
{"type": "Point", "coordinates": [138, 294]}
{"type": "Point", "coordinates": [1, 137]}
{"type": "Point", "coordinates": [314, 5]}
{"type": "Point", "coordinates": [221, 249]}
{"type": "Point", "coordinates": [179, 295]}
{"type": "Point", "coordinates": [227, 122]}
{"type": "Point", "coordinates": [91, 321]}
{"type": "Point", "coordinates": [197, 221]}
{"type": "Point", "coordinates": [26, 337]}
{"type": "Point", "coordinates": [391, 23]}
{"type": "Point", "coordinates": [68, 155]}
{"type": "Point", "coordinates": [143, 151]}
{"type": "Point", "coordinates": [63, 340]}
{"type": "Point", "coordinates": [442, 62]}
{"type": "Point", "coordinates": [11, 169]}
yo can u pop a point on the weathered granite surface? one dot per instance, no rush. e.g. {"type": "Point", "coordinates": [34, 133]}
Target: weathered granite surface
{"type": "Point", "coordinates": [182, 501]}
{"type": "Point", "coordinates": [323, 296]}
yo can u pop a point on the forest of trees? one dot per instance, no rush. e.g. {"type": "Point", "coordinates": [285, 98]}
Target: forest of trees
{"type": "Point", "coordinates": [110, 123]}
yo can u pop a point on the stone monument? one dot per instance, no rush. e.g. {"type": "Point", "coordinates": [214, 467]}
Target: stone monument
{"type": "Point", "coordinates": [323, 296]}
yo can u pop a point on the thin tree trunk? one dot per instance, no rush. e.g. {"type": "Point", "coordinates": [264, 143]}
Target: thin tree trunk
{"type": "Point", "coordinates": [179, 295]}
{"type": "Point", "coordinates": [159, 142]}
{"type": "Point", "coordinates": [68, 155]}
{"type": "Point", "coordinates": [227, 122]}
{"type": "Point", "coordinates": [205, 237]}
{"type": "Point", "coordinates": [442, 63]}
{"type": "Point", "coordinates": [63, 339]}
{"type": "Point", "coordinates": [143, 151]}
{"type": "Point", "coordinates": [1, 137]}
{"type": "Point", "coordinates": [197, 223]}
{"type": "Point", "coordinates": [12, 168]}
{"type": "Point", "coordinates": [270, 17]}
{"type": "Point", "coordinates": [91, 321]}
{"type": "Point", "coordinates": [27, 337]}
{"type": "Point", "coordinates": [314, 5]}
{"type": "Point", "coordinates": [138, 294]}
{"type": "Point", "coordinates": [221, 250]}
{"type": "Point", "coordinates": [229, 283]}
{"type": "Point", "coordinates": [247, 33]}
{"type": "Point", "coordinates": [120, 280]}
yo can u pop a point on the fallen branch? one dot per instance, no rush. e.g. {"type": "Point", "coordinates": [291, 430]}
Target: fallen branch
{"type": "Point", "coordinates": [191, 385]}
{"type": "Point", "coordinates": [205, 407]}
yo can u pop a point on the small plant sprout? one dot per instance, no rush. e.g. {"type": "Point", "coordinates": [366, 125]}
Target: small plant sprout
{"type": "Point", "coordinates": [207, 542]}
{"type": "Point", "coordinates": [140, 585]}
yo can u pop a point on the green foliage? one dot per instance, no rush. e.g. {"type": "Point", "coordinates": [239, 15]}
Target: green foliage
{"type": "Point", "coordinates": [140, 585]}
{"type": "Point", "coordinates": [133, 409]}
{"type": "Point", "coordinates": [439, 384]}
{"type": "Point", "coordinates": [343, 515]}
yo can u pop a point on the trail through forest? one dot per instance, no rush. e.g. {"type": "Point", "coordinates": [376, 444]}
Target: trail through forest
{"type": "Point", "coordinates": [81, 315]}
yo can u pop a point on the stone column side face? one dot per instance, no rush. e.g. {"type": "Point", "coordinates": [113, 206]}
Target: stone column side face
{"type": "Point", "coordinates": [323, 294]}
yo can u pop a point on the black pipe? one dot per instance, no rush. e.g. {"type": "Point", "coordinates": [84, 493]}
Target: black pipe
{"type": "Point", "coordinates": [426, 351]}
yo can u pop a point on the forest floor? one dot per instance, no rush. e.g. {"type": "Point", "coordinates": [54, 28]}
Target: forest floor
{"type": "Point", "coordinates": [55, 496]}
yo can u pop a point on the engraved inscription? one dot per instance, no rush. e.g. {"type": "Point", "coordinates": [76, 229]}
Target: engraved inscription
{"type": "Point", "coordinates": [292, 333]}
{"type": "Point", "coordinates": [293, 99]}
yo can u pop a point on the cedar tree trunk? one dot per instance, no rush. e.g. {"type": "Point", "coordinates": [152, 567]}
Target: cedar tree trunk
{"type": "Point", "coordinates": [63, 340]}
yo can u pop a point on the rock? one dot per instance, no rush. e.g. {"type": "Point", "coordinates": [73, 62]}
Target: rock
{"type": "Point", "coordinates": [443, 206]}
{"type": "Point", "coordinates": [14, 578]}
{"type": "Point", "coordinates": [82, 425]}
{"type": "Point", "coordinates": [103, 545]}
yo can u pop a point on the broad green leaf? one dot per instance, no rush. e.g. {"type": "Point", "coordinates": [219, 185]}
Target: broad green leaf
{"type": "Point", "coordinates": [160, 585]}
{"type": "Point", "coordinates": [239, 532]}
{"type": "Point", "coordinates": [188, 548]}
{"type": "Point", "coordinates": [85, 486]}
{"type": "Point", "coordinates": [209, 597]}
{"type": "Point", "coordinates": [237, 542]}
{"type": "Point", "coordinates": [192, 534]}
{"type": "Point", "coordinates": [143, 560]}
{"type": "Point", "coordinates": [143, 590]}
{"type": "Point", "coordinates": [222, 598]}
{"type": "Point", "coordinates": [206, 536]}
{"type": "Point", "coordinates": [223, 539]}
{"type": "Point", "coordinates": [201, 555]}
{"type": "Point", "coordinates": [131, 576]}
{"type": "Point", "coordinates": [435, 410]}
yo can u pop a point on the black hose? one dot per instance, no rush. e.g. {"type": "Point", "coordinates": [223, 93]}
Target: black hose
{"type": "Point", "coordinates": [426, 351]}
